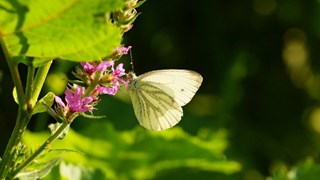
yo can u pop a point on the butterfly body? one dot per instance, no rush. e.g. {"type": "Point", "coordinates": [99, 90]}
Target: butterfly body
{"type": "Point", "coordinates": [157, 96]}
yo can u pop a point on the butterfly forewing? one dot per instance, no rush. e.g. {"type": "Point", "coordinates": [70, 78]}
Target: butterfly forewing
{"type": "Point", "coordinates": [157, 96]}
{"type": "Point", "coordinates": [181, 84]}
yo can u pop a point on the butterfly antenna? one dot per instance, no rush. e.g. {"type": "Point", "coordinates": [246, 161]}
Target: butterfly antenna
{"type": "Point", "coordinates": [131, 62]}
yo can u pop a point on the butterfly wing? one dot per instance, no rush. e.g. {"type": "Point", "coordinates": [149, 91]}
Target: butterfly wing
{"type": "Point", "coordinates": [179, 84]}
{"type": "Point", "coordinates": [157, 96]}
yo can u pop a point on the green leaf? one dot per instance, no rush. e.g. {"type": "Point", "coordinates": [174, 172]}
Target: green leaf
{"type": "Point", "coordinates": [43, 103]}
{"type": "Point", "coordinates": [35, 31]}
{"type": "Point", "coordinates": [143, 154]}
{"type": "Point", "coordinates": [92, 116]}
{"type": "Point", "coordinates": [40, 171]}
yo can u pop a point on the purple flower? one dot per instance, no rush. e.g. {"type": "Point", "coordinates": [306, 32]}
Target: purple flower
{"type": "Point", "coordinates": [75, 101]}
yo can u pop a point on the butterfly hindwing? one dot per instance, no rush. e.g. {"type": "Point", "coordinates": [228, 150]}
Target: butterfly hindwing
{"type": "Point", "coordinates": [154, 109]}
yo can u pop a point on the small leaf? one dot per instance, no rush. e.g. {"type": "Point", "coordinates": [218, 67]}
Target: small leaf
{"type": "Point", "coordinates": [38, 172]}
{"type": "Point", "coordinates": [15, 95]}
{"type": "Point", "coordinates": [92, 116]}
{"type": "Point", "coordinates": [42, 104]}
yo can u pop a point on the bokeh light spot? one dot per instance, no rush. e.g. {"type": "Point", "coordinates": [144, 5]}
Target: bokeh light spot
{"type": "Point", "coordinates": [56, 82]}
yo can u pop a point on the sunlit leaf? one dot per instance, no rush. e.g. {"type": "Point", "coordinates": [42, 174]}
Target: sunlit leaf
{"type": "Point", "coordinates": [35, 31]}
{"type": "Point", "coordinates": [141, 153]}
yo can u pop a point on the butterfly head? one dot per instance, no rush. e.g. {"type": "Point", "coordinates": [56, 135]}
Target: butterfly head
{"type": "Point", "coordinates": [131, 76]}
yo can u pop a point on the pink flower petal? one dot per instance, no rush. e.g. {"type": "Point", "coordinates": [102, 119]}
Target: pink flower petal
{"type": "Point", "coordinates": [59, 101]}
{"type": "Point", "coordinates": [104, 65]}
{"type": "Point", "coordinates": [108, 90]}
{"type": "Point", "coordinates": [91, 67]}
{"type": "Point", "coordinates": [87, 66]}
{"type": "Point", "coordinates": [119, 71]}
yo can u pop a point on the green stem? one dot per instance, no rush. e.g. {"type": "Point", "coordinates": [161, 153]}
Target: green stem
{"type": "Point", "coordinates": [39, 81]}
{"type": "Point", "coordinates": [46, 144]}
{"type": "Point", "coordinates": [11, 149]}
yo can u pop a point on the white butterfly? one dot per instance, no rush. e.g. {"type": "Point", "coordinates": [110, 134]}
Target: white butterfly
{"type": "Point", "coordinates": [157, 96]}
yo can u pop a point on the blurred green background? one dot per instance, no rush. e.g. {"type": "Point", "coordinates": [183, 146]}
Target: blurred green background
{"type": "Point", "coordinates": [260, 64]}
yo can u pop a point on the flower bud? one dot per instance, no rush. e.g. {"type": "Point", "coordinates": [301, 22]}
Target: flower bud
{"type": "Point", "coordinates": [124, 17]}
